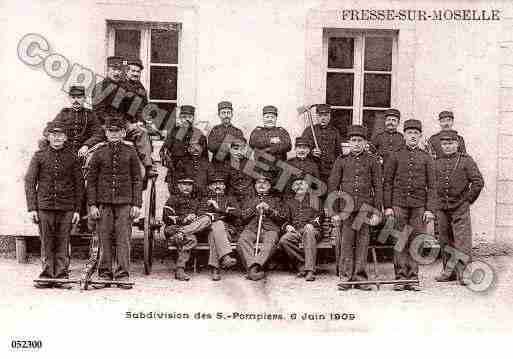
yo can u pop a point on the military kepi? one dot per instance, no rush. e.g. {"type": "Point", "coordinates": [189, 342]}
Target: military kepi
{"type": "Point", "coordinates": [56, 127]}
{"type": "Point", "coordinates": [393, 112]}
{"type": "Point", "coordinates": [115, 122]}
{"type": "Point", "coordinates": [357, 130]}
{"type": "Point", "coordinates": [322, 108]}
{"type": "Point", "coordinates": [114, 61]}
{"type": "Point", "coordinates": [187, 110]}
{"type": "Point", "coordinates": [270, 109]}
{"type": "Point", "coordinates": [448, 135]}
{"type": "Point", "coordinates": [302, 141]}
{"type": "Point", "coordinates": [136, 62]}
{"type": "Point", "coordinates": [412, 124]}
{"type": "Point", "coordinates": [77, 90]}
{"type": "Point", "coordinates": [445, 114]}
{"type": "Point", "coordinates": [224, 104]}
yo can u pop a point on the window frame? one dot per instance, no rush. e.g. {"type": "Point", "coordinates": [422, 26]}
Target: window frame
{"type": "Point", "coordinates": [358, 66]}
{"type": "Point", "coordinates": [145, 28]}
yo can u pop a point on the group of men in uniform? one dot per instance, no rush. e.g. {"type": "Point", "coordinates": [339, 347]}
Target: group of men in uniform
{"type": "Point", "coordinates": [253, 194]}
{"type": "Point", "coordinates": [108, 148]}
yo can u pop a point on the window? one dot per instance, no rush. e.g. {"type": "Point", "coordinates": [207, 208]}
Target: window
{"type": "Point", "coordinates": [359, 76]}
{"type": "Point", "coordinates": [157, 45]}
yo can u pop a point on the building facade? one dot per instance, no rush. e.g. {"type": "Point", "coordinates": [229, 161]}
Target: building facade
{"type": "Point", "coordinates": [285, 53]}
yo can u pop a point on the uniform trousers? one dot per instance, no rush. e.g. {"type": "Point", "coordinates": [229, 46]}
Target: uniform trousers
{"type": "Point", "coordinates": [246, 247]}
{"type": "Point", "coordinates": [305, 257]}
{"type": "Point", "coordinates": [405, 266]}
{"type": "Point", "coordinates": [219, 239]}
{"type": "Point", "coordinates": [353, 250]}
{"type": "Point", "coordinates": [54, 230]}
{"type": "Point", "coordinates": [455, 230]}
{"type": "Point", "coordinates": [189, 241]}
{"type": "Point", "coordinates": [114, 226]}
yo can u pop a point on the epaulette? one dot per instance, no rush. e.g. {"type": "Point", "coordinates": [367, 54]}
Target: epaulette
{"type": "Point", "coordinates": [259, 127]}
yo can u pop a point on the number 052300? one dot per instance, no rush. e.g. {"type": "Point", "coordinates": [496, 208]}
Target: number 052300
{"type": "Point", "coordinates": [26, 344]}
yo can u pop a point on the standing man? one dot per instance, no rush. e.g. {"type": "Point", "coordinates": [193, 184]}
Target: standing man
{"type": "Point", "coordinates": [271, 138]}
{"type": "Point", "coordinates": [114, 195]}
{"type": "Point", "coordinates": [216, 137]}
{"type": "Point", "coordinates": [269, 209]}
{"type": "Point", "coordinates": [83, 130]}
{"type": "Point", "coordinates": [446, 122]}
{"type": "Point", "coordinates": [390, 140]}
{"type": "Point", "coordinates": [359, 176]}
{"type": "Point", "coordinates": [54, 189]}
{"type": "Point", "coordinates": [177, 141]}
{"type": "Point", "coordinates": [409, 196]}
{"type": "Point", "coordinates": [329, 141]}
{"type": "Point", "coordinates": [302, 227]}
{"type": "Point", "coordinates": [459, 183]}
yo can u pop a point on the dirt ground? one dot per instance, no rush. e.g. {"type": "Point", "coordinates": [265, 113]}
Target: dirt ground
{"type": "Point", "coordinates": [438, 308]}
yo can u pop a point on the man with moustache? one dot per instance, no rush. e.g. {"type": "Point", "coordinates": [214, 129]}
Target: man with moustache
{"type": "Point", "coordinates": [459, 183]}
{"type": "Point", "coordinates": [175, 148]}
{"type": "Point", "coordinates": [390, 140]}
{"type": "Point", "coordinates": [302, 161]}
{"type": "Point", "coordinates": [409, 197]}
{"type": "Point", "coordinates": [196, 166]}
{"type": "Point", "coordinates": [446, 122]}
{"type": "Point", "coordinates": [218, 135]}
{"type": "Point", "coordinates": [273, 215]}
{"type": "Point", "coordinates": [302, 227]}
{"type": "Point", "coordinates": [83, 130]}
{"type": "Point", "coordinates": [270, 138]}
{"type": "Point", "coordinates": [105, 91]}
{"type": "Point", "coordinates": [329, 141]}
{"type": "Point", "coordinates": [358, 175]}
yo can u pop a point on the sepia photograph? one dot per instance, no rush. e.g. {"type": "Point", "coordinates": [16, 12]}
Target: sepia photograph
{"type": "Point", "coordinates": [178, 171]}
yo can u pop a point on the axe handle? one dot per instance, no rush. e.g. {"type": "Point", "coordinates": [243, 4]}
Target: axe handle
{"type": "Point", "coordinates": [310, 121]}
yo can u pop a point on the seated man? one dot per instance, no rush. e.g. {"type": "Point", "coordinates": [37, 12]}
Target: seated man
{"type": "Point", "coordinates": [179, 211]}
{"type": "Point", "coordinates": [302, 226]}
{"type": "Point", "coordinates": [223, 210]}
{"type": "Point", "coordinates": [263, 214]}
{"type": "Point", "coordinates": [302, 161]}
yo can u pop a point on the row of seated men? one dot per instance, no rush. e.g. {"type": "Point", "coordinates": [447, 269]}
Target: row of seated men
{"type": "Point", "coordinates": [404, 183]}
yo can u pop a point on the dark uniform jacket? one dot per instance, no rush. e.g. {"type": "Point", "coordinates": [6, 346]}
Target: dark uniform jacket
{"type": "Point", "coordinates": [182, 205]}
{"type": "Point", "coordinates": [104, 94]}
{"type": "Point", "coordinates": [197, 168]}
{"type": "Point", "coordinates": [271, 220]}
{"type": "Point", "coordinates": [329, 140]}
{"type": "Point", "coordinates": [458, 179]}
{"type": "Point", "coordinates": [385, 143]}
{"type": "Point", "coordinates": [114, 175]}
{"type": "Point", "coordinates": [301, 212]}
{"type": "Point", "coordinates": [436, 147]}
{"type": "Point", "coordinates": [133, 90]}
{"type": "Point", "coordinates": [409, 180]}
{"type": "Point", "coordinates": [228, 211]}
{"type": "Point", "coordinates": [359, 175]}
{"type": "Point", "coordinates": [217, 136]}
{"type": "Point", "coordinates": [306, 165]}
{"type": "Point", "coordinates": [261, 139]}
{"type": "Point", "coordinates": [239, 183]}
{"type": "Point", "coordinates": [54, 181]}
{"type": "Point", "coordinates": [178, 140]}
{"type": "Point", "coordinates": [82, 128]}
